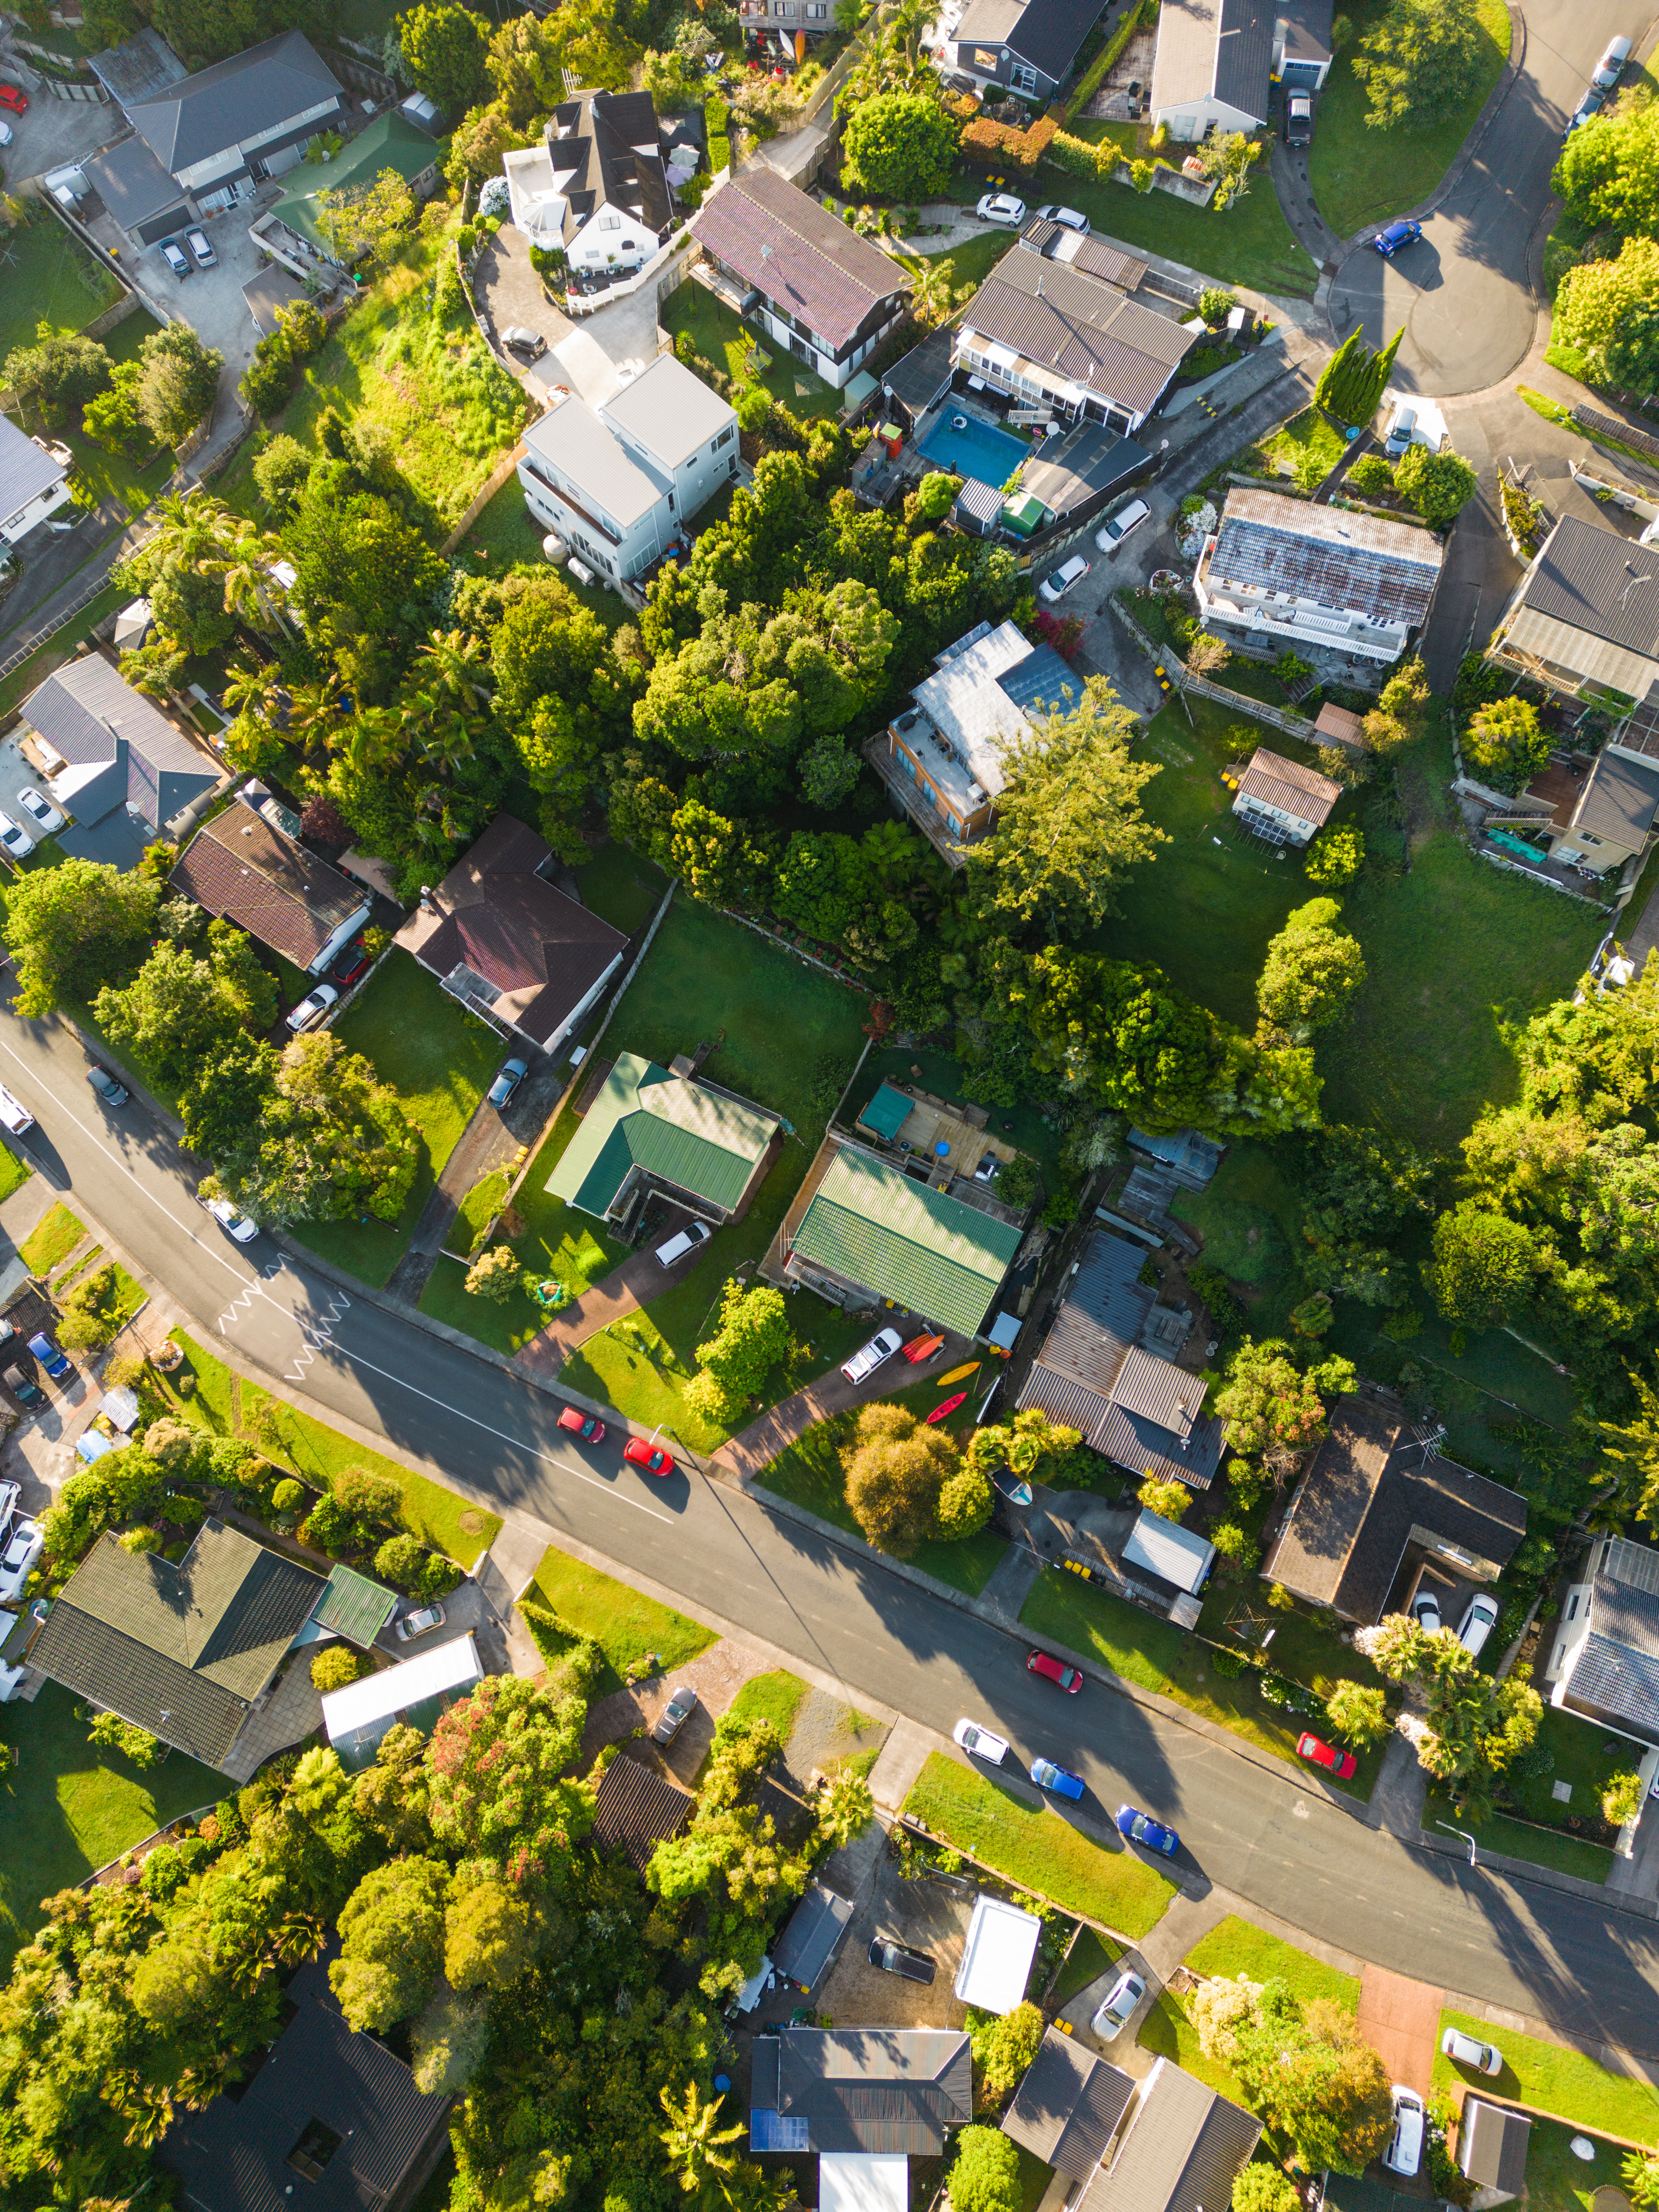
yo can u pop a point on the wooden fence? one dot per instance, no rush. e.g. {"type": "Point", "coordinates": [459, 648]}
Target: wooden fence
{"type": "Point", "coordinates": [487, 491]}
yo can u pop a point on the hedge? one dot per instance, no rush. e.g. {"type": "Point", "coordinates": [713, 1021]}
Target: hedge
{"type": "Point", "coordinates": [1078, 158]}
{"type": "Point", "coordinates": [1103, 60]}
{"type": "Point", "coordinates": [715, 117]}
{"type": "Point", "coordinates": [988, 144]}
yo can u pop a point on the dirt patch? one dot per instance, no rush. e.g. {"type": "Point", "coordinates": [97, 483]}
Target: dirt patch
{"type": "Point", "coordinates": [931, 1914]}
{"type": "Point", "coordinates": [716, 1674]}
{"type": "Point", "coordinates": [826, 1732]}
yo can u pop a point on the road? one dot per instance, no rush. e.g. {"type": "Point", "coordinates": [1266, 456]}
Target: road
{"type": "Point", "coordinates": [1279, 1839]}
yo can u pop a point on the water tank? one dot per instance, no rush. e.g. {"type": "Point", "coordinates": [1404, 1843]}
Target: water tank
{"type": "Point", "coordinates": [554, 550]}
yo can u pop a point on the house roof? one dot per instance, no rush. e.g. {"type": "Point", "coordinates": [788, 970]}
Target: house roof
{"type": "Point", "coordinates": [807, 1945]}
{"type": "Point", "coordinates": [1050, 31]}
{"type": "Point", "coordinates": [1300, 791]}
{"type": "Point", "coordinates": [988, 22]}
{"type": "Point", "coordinates": [1067, 2107]}
{"type": "Point", "coordinates": [638, 1809]}
{"type": "Point", "coordinates": [608, 477]}
{"type": "Point", "coordinates": [132, 183]}
{"type": "Point", "coordinates": [1219, 49]}
{"type": "Point", "coordinates": [1181, 2151]}
{"type": "Point", "coordinates": [268, 293]}
{"type": "Point", "coordinates": [1089, 257]}
{"type": "Point", "coordinates": [240, 99]}
{"type": "Point", "coordinates": [1492, 2145]}
{"type": "Point", "coordinates": [969, 700]}
{"type": "Point", "coordinates": [1615, 1673]}
{"type": "Point", "coordinates": [1619, 800]}
{"type": "Point", "coordinates": [353, 1607]}
{"type": "Point", "coordinates": [669, 411]}
{"type": "Point", "coordinates": [25, 470]}
{"type": "Point", "coordinates": [1088, 333]}
{"type": "Point", "coordinates": [871, 1224]}
{"type": "Point", "coordinates": [1385, 571]}
{"type": "Point", "coordinates": [504, 937]}
{"type": "Point", "coordinates": [233, 2155]}
{"type": "Point", "coordinates": [182, 1651]}
{"type": "Point", "coordinates": [827, 276]}
{"type": "Point", "coordinates": [1597, 582]}
{"type": "Point", "coordinates": [238, 866]}
{"type": "Point", "coordinates": [604, 149]}
{"type": "Point", "coordinates": [129, 752]}
{"type": "Point", "coordinates": [996, 1952]}
{"type": "Point", "coordinates": [864, 2181]}
{"type": "Point", "coordinates": [452, 1666]}
{"type": "Point", "coordinates": [388, 142]}
{"type": "Point", "coordinates": [1341, 726]}
{"type": "Point", "coordinates": [138, 67]}
{"type": "Point", "coordinates": [893, 2090]}
{"type": "Point", "coordinates": [668, 1126]}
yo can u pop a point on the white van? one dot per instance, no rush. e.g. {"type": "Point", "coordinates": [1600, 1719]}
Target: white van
{"type": "Point", "coordinates": [1405, 2152]}
{"type": "Point", "coordinates": [687, 1240]}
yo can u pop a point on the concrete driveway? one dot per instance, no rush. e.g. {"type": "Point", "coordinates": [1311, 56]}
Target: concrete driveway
{"type": "Point", "coordinates": [55, 132]}
{"type": "Point", "coordinates": [509, 292]}
{"type": "Point", "coordinates": [209, 300]}
{"type": "Point", "coordinates": [17, 776]}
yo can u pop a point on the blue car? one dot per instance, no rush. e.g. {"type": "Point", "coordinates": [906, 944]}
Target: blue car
{"type": "Point", "coordinates": [1047, 1775]}
{"type": "Point", "coordinates": [1388, 242]}
{"type": "Point", "coordinates": [512, 1073]}
{"type": "Point", "coordinates": [1140, 1828]}
{"type": "Point", "coordinates": [55, 1362]}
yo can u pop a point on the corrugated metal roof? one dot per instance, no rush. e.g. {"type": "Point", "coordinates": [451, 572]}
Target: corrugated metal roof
{"type": "Point", "coordinates": [872, 1225]}
{"type": "Point", "coordinates": [1043, 681]}
{"type": "Point", "coordinates": [826, 276]}
{"type": "Point", "coordinates": [1092, 256]}
{"type": "Point", "coordinates": [354, 1607]}
{"type": "Point", "coordinates": [1143, 1446]}
{"type": "Point", "coordinates": [1300, 791]}
{"type": "Point", "coordinates": [1183, 2150]}
{"type": "Point", "coordinates": [1597, 582]}
{"type": "Point", "coordinates": [89, 715]}
{"type": "Point", "coordinates": [1086, 332]}
{"type": "Point", "coordinates": [25, 470]}
{"type": "Point", "coordinates": [874, 2089]}
{"type": "Point", "coordinates": [807, 1944]}
{"type": "Point", "coordinates": [388, 142]}
{"type": "Point", "coordinates": [1159, 1391]}
{"type": "Point", "coordinates": [677, 1130]}
{"type": "Point", "coordinates": [1358, 563]}
{"type": "Point", "coordinates": [1068, 2107]}
{"type": "Point", "coordinates": [1619, 800]}
{"type": "Point", "coordinates": [1492, 2145]}
{"type": "Point", "coordinates": [638, 1809]}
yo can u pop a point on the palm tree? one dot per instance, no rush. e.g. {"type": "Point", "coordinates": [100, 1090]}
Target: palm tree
{"type": "Point", "coordinates": [253, 689]}
{"type": "Point", "coordinates": [377, 739]}
{"type": "Point", "coordinates": [698, 2149]}
{"type": "Point", "coordinates": [251, 588]}
{"type": "Point", "coordinates": [314, 711]}
{"type": "Point", "coordinates": [930, 289]}
{"type": "Point", "coordinates": [906, 27]}
{"type": "Point", "coordinates": [454, 665]}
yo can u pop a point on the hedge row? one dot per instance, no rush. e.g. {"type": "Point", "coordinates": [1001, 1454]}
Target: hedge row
{"type": "Point", "coordinates": [1103, 61]}
{"type": "Point", "coordinates": [989, 145]}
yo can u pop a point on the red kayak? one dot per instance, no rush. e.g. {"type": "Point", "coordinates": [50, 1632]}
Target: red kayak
{"type": "Point", "coordinates": [940, 1412]}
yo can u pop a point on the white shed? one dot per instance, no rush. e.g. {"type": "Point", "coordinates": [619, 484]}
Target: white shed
{"type": "Point", "coordinates": [1171, 1553]}
{"type": "Point", "coordinates": [996, 1959]}
{"type": "Point", "coordinates": [356, 1717]}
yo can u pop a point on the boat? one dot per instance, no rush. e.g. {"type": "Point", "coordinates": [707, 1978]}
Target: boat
{"type": "Point", "coordinates": [922, 1347]}
{"type": "Point", "coordinates": [1010, 1486]}
{"type": "Point", "coordinates": [961, 1374]}
{"type": "Point", "coordinates": [940, 1412]}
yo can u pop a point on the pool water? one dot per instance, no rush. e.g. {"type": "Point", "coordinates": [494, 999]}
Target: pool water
{"type": "Point", "coordinates": [989, 456]}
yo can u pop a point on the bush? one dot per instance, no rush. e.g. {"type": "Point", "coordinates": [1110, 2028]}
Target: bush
{"type": "Point", "coordinates": [1170, 1500]}
{"type": "Point", "coordinates": [401, 1561]}
{"type": "Point", "coordinates": [1003, 2050]}
{"type": "Point", "coordinates": [333, 1669]}
{"type": "Point", "coordinates": [1229, 1664]}
{"type": "Point", "coordinates": [495, 1274]}
{"type": "Point", "coordinates": [1371, 473]}
{"type": "Point", "coordinates": [1358, 1711]}
{"type": "Point", "coordinates": [1335, 858]}
{"type": "Point", "coordinates": [163, 1873]}
{"type": "Point", "coordinates": [1234, 1544]}
{"type": "Point", "coordinates": [1621, 1800]}
{"type": "Point", "coordinates": [289, 1496]}
{"type": "Point", "coordinates": [985, 2175]}
{"type": "Point", "coordinates": [172, 1444]}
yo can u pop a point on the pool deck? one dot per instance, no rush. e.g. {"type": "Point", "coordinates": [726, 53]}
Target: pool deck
{"type": "Point", "coordinates": [939, 442]}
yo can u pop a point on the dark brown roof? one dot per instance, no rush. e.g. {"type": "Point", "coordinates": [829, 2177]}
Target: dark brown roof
{"type": "Point", "coordinates": [824, 273]}
{"type": "Point", "coordinates": [1492, 2145]}
{"type": "Point", "coordinates": [638, 1809]}
{"type": "Point", "coordinates": [239, 868]}
{"type": "Point", "coordinates": [1068, 2107]}
{"type": "Point", "coordinates": [1089, 333]}
{"type": "Point", "coordinates": [1300, 791]}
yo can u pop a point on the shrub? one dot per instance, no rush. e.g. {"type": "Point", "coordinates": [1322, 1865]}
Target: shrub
{"type": "Point", "coordinates": [401, 1561]}
{"type": "Point", "coordinates": [1168, 1500]}
{"type": "Point", "coordinates": [1215, 305]}
{"type": "Point", "coordinates": [1003, 2049]}
{"type": "Point", "coordinates": [288, 1495]}
{"type": "Point", "coordinates": [1335, 858]}
{"type": "Point", "coordinates": [964, 1505]}
{"type": "Point", "coordinates": [495, 1274]}
{"type": "Point", "coordinates": [985, 2175]}
{"type": "Point", "coordinates": [163, 1873]}
{"type": "Point", "coordinates": [333, 1669]}
{"type": "Point", "coordinates": [113, 1733]}
{"type": "Point", "coordinates": [172, 1444]}
{"type": "Point", "coordinates": [1621, 1800]}
{"type": "Point", "coordinates": [1229, 1664]}
{"type": "Point", "coordinates": [1235, 1544]}
{"type": "Point", "coordinates": [1370, 473]}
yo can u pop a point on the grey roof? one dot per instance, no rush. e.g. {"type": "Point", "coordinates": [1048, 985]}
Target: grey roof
{"type": "Point", "coordinates": [86, 712]}
{"type": "Point", "coordinates": [132, 183]}
{"type": "Point", "coordinates": [1615, 1675]}
{"type": "Point", "coordinates": [1604, 584]}
{"type": "Point", "coordinates": [1092, 256]}
{"type": "Point", "coordinates": [1086, 463]}
{"type": "Point", "coordinates": [268, 293]}
{"type": "Point", "coordinates": [1050, 33]}
{"type": "Point", "coordinates": [581, 445]}
{"type": "Point", "coordinates": [1184, 64]}
{"type": "Point", "coordinates": [1385, 571]}
{"type": "Point", "coordinates": [670, 410]}
{"type": "Point", "coordinates": [1492, 2145]}
{"type": "Point", "coordinates": [608, 151]}
{"type": "Point", "coordinates": [981, 502]}
{"type": "Point", "coordinates": [137, 68]}
{"type": "Point", "coordinates": [1068, 2107]}
{"type": "Point", "coordinates": [243, 98]}
{"type": "Point", "coordinates": [1244, 54]}
{"type": "Point", "coordinates": [866, 2089]}
{"type": "Point", "coordinates": [923, 375]}
{"type": "Point", "coordinates": [1040, 680]}
{"type": "Point", "coordinates": [1619, 800]}
{"type": "Point", "coordinates": [637, 1808]}
{"type": "Point", "coordinates": [25, 470]}
{"type": "Point", "coordinates": [811, 1935]}
{"type": "Point", "coordinates": [825, 275]}
{"type": "Point", "coordinates": [232, 2155]}
{"type": "Point", "coordinates": [987, 22]}
{"type": "Point", "coordinates": [1087, 332]}
{"type": "Point", "coordinates": [1182, 2149]}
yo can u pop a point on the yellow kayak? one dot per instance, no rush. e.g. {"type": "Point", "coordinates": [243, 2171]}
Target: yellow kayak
{"type": "Point", "coordinates": [960, 1374]}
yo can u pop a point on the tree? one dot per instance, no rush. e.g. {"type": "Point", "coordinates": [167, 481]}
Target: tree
{"type": "Point", "coordinates": [1274, 1411]}
{"type": "Point", "coordinates": [1484, 1265]}
{"type": "Point", "coordinates": [1608, 311]}
{"type": "Point", "coordinates": [1335, 857]}
{"type": "Point", "coordinates": [1260, 2188]}
{"type": "Point", "coordinates": [1068, 822]}
{"type": "Point", "coordinates": [1351, 383]}
{"type": "Point", "coordinates": [896, 1469]}
{"type": "Point", "coordinates": [1003, 2046]}
{"type": "Point", "coordinates": [1438, 485]}
{"type": "Point", "coordinates": [1312, 971]}
{"type": "Point", "coordinates": [495, 1274]}
{"type": "Point", "coordinates": [180, 377]}
{"type": "Point", "coordinates": [1420, 63]}
{"type": "Point", "coordinates": [182, 1007]}
{"type": "Point", "coordinates": [392, 1797]}
{"type": "Point", "coordinates": [364, 220]}
{"type": "Point", "coordinates": [900, 145]}
{"type": "Point", "coordinates": [1169, 1500]}
{"type": "Point", "coordinates": [444, 49]}
{"type": "Point", "coordinates": [1621, 1798]}
{"type": "Point", "coordinates": [331, 1139]}
{"type": "Point", "coordinates": [965, 1502]}
{"type": "Point", "coordinates": [1608, 172]}
{"type": "Point", "coordinates": [331, 1669]}
{"type": "Point", "coordinates": [59, 371]}
{"type": "Point", "coordinates": [448, 2042]}
{"type": "Point", "coordinates": [1640, 2175]}
{"type": "Point", "coordinates": [1358, 1711]}
{"type": "Point", "coordinates": [487, 1934]}
{"type": "Point", "coordinates": [391, 1933]}
{"type": "Point", "coordinates": [73, 928]}
{"type": "Point", "coordinates": [698, 2150]}
{"type": "Point", "coordinates": [495, 1760]}
{"type": "Point", "coordinates": [985, 2177]}
{"type": "Point", "coordinates": [754, 1335]}
{"type": "Point", "coordinates": [1030, 1445]}
{"type": "Point", "coordinates": [1306, 2070]}
{"type": "Point", "coordinates": [1505, 743]}
{"type": "Point", "coordinates": [401, 1561]}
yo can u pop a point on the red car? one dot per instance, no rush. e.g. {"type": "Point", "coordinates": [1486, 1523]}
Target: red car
{"type": "Point", "coordinates": [1339, 1763]}
{"type": "Point", "coordinates": [352, 962]}
{"type": "Point", "coordinates": [650, 1456]}
{"type": "Point", "coordinates": [1039, 1662]}
{"type": "Point", "coordinates": [588, 1426]}
{"type": "Point", "coordinates": [10, 97]}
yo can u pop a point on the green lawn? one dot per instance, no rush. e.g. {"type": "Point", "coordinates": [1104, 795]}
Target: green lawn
{"type": "Point", "coordinates": [480, 1206]}
{"type": "Point", "coordinates": [1038, 1849]}
{"type": "Point", "coordinates": [1521, 1839]}
{"type": "Point", "coordinates": [1168, 2034]}
{"type": "Point", "coordinates": [1250, 1219]}
{"type": "Point", "coordinates": [1095, 130]}
{"type": "Point", "coordinates": [14, 1172]}
{"type": "Point", "coordinates": [51, 1240]}
{"type": "Point", "coordinates": [1554, 2080]}
{"type": "Point", "coordinates": [1361, 177]}
{"type": "Point", "coordinates": [1584, 1759]}
{"type": "Point", "coordinates": [723, 338]}
{"type": "Point", "coordinates": [1034, 2179]}
{"type": "Point", "coordinates": [775, 1697]}
{"type": "Point", "coordinates": [24, 679]}
{"type": "Point", "coordinates": [1236, 1948]}
{"type": "Point", "coordinates": [1309, 440]}
{"type": "Point", "coordinates": [621, 886]}
{"type": "Point", "coordinates": [49, 279]}
{"type": "Point", "coordinates": [508, 532]}
{"type": "Point", "coordinates": [113, 476]}
{"type": "Point", "coordinates": [1558, 2179]}
{"type": "Point", "coordinates": [72, 1807]}
{"type": "Point", "coordinates": [972, 262]}
{"type": "Point", "coordinates": [624, 1623]}
{"type": "Point", "coordinates": [1092, 1955]}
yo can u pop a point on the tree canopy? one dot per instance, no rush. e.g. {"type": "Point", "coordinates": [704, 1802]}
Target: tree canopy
{"type": "Point", "coordinates": [1420, 63]}
{"type": "Point", "coordinates": [900, 144]}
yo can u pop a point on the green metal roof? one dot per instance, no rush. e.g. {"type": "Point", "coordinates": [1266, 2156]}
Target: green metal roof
{"type": "Point", "coordinates": [1023, 514]}
{"type": "Point", "coordinates": [389, 143]}
{"type": "Point", "coordinates": [873, 1225]}
{"type": "Point", "coordinates": [679, 1132]}
{"type": "Point", "coordinates": [887, 1112]}
{"type": "Point", "coordinates": [354, 1607]}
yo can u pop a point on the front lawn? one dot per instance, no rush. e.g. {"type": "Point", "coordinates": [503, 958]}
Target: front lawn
{"type": "Point", "coordinates": [51, 1240]}
{"type": "Point", "coordinates": [970, 263]}
{"type": "Point", "coordinates": [1554, 2079]}
{"type": "Point", "coordinates": [624, 1623]}
{"type": "Point", "coordinates": [724, 339]}
{"type": "Point", "coordinates": [1521, 1839]}
{"type": "Point", "coordinates": [1090, 1956]}
{"type": "Point", "coordinates": [1362, 177]}
{"type": "Point", "coordinates": [1309, 442]}
{"type": "Point", "coordinates": [1237, 1947]}
{"type": "Point", "coordinates": [1038, 1849]}
{"type": "Point", "coordinates": [14, 1172]}
{"type": "Point", "coordinates": [1558, 2180]}
{"type": "Point", "coordinates": [49, 279]}
{"type": "Point", "coordinates": [775, 1697]}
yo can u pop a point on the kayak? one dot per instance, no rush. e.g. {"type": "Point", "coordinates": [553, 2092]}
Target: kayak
{"type": "Point", "coordinates": [961, 1374]}
{"type": "Point", "coordinates": [922, 1347]}
{"type": "Point", "coordinates": [950, 1406]}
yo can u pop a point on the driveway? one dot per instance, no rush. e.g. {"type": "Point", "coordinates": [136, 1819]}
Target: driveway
{"type": "Point", "coordinates": [16, 775]}
{"type": "Point", "coordinates": [209, 300]}
{"type": "Point", "coordinates": [54, 132]}
{"type": "Point", "coordinates": [508, 290]}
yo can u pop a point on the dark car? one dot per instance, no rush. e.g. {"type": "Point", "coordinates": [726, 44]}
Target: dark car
{"type": "Point", "coordinates": [111, 1092]}
{"type": "Point", "coordinates": [1136, 1827]}
{"type": "Point", "coordinates": [55, 1361]}
{"type": "Point", "coordinates": [353, 963]}
{"type": "Point", "coordinates": [895, 1958]}
{"type": "Point", "coordinates": [512, 1073]}
{"type": "Point", "coordinates": [19, 1385]}
{"type": "Point", "coordinates": [1388, 242]}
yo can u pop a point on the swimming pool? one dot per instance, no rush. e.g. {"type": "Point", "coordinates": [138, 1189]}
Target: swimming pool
{"type": "Point", "coordinates": [989, 456]}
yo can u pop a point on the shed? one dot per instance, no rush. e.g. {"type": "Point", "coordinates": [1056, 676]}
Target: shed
{"type": "Point", "coordinates": [864, 2181]}
{"type": "Point", "coordinates": [887, 1112]}
{"type": "Point", "coordinates": [1171, 1553]}
{"type": "Point", "coordinates": [1339, 725]}
{"type": "Point", "coordinates": [356, 1717]}
{"type": "Point", "coordinates": [1023, 515]}
{"type": "Point", "coordinates": [812, 1936]}
{"type": "Point", "coordinates": [861, 391]}
{"type": "Point", "coordinates": [637, 1808]}
{"type": "Point", "coordinates": [978, 507]}
{"type": "Point", "coordinates": [996, 1958]}
{"type": "Point", "coordinates": [1492, 2145]}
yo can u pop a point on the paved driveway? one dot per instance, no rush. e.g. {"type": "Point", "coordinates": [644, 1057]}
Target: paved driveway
{"type": "Point", "coordinates": [55, 132]}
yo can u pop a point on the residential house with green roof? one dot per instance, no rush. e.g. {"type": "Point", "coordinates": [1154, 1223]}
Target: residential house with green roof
{"type": "Point", "coordinates": [873, 1232]}
{"type": "Point", "coordinates": [660, 1129]}
{"type": "Point", "coordinates": [300, 232]}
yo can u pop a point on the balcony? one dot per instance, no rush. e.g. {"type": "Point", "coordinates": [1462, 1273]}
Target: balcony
{"type": "Point", "coordinates": [931, 822]}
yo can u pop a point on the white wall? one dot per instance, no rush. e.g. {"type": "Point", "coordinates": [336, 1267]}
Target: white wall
{"type": "Point", "coordinates": [17, 526]}
{"type": "Point", "coordinates": [640, 545]}
{"type": "Point", "coordinates": [1188, 122]}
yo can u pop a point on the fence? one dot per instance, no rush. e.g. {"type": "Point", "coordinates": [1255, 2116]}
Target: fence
{"type": "Point", "coordinates": [1293, 726]}
{"type": "Point", "coordinates": [481, 499]}
{"type": "Point", "coordinates": [362, 76]}
{"type": "Point", "coordinates": [33, 644]}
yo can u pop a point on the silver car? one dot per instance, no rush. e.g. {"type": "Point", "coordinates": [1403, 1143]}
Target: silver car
{"type": "Point", "coordinates": [17, 841]}
{"type": "Point", "coordinates": [1118, 2005]}
{"type": "Point", "coordinates": [174, 255]}
{"type": "Point", "coordinates": [675, 1714]}
{"type": "Point", "coordinates": [201, 252]}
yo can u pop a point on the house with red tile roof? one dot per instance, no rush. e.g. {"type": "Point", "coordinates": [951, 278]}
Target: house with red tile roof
{"type": "Point", "coordinates": [241, 868]}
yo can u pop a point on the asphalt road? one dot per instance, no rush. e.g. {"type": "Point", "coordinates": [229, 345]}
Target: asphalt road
{"type": "Point", "coordinates": [1276, 1839]}
{"type": "Point", "coordinates": [1463, 292]}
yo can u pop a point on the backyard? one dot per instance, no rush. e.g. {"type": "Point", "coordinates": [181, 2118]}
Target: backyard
{"type": "Point", "coordinates": [723, 338]}
{"type": "Point", "coordinates": [45, 278]}
{"type": "Point", "coordinates": [506, 532]}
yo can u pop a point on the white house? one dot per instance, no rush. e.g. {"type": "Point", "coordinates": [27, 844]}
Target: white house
{"type": "Point", "coordinates": [33, 481]}
{"type": "Point", "coordinates": [596, 186]}
{"type": "Point", "coordinates": [1282, 572]}
{"type": "Point", "coordinates": [1605, 1662]}
{"type": "Point", "coordinates": [1218, 60]}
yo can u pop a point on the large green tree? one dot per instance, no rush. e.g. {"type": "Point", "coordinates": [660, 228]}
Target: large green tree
{"type": "Point", "coordinates": [1484, 1265]}
{"type": "Point", "coordinates": [1420, 63]}
{"type": "Point", "coordinates": [1304, 2069]}
{"type": "Point", "coordinates": [1609, 311]}
{"type": "Point", "coordinates": [753, 1336]}
{"type": "Point", "coordinates": [1312, 971]}
{"type": "Point", "coordinates": [179, 379]}
{"type": "Point", "coordinates": [183, 1006]}
{"type": "Point", "coordinates": [59, 371]}
{"type": "Point", "coordinates": [1438, 485]}
{"type": "Point", "coordinates": [901, 144]}
{"type": "Point", "coordinates": [1608, 172]}
{"type": "Point", "coordinates": [1274, 1409]}
{"type": "Point", "coordinates": [445, 49]}
{"type": "Point", "coordinates": [74, 928]}
{"type": "Point", "coordinates": [1506, 743]}
{"type": "Point", "coordinates": [497, 1760]}
{"type": "Point", "coordinates": [896, 1469]}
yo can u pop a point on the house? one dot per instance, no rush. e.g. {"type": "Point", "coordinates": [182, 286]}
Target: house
{"type": "Point", "coordinates": [1218, 60]}
{"type": "Point", "coordinates": [1281, 800]}
{"type": "Point", "coordinates": [595, 188]}
{"type": "Point", "coordinates": [110, 757]}
{"type": "Point", "coordinates": [415, 1692]}
{"type": "Point", "coordinates": [996, 1952]}
{"type": "Point", "coordinates": [508, 944]}
{"type": "Point", "coordinates": [873, 1232]}
{"type": "Point", "coordinates": [223, 132]}
{"type": "Point", "coordinates": [185, 1651]}
{"type": "Point", "coordinates": [794, 26]}
{"type": "Point", "coordinates": [1027, 46]}
{"type": "Point", "coordinates": [1068, 2106]}
{"type": "Point", "coordinates": [854, 2093]}
{"type": "Point", "coordinates": [813, 1935]}
{"type": "Point", "coordinates": [33, 481]}
{"type": "Point", "coordinates": [1281, 572]}
{"type": "Point", "coordinates": [941, 756]}
{"type": "Point", "coordinates": [296, 231]}
{"type": "Point", "coordinates": [1106, 1367]}
{"type": "Point", "coordinates": [820, 291]}
{"type": "Point", "coordinates": [270, 294]}
{"type": "Point", "coordinates": [326, 2106]}
{"type": "Point", "coordinates": [1166, 2143]}
{"type": "Point", "coordinates": [662, 1130]}
{"type": "Point", "coordinates": [637, 1808]}
{"type": "Point", "coordinates": [1068, 343]}
{"type": "Point", "coordinates": [1376, 1507]}
{"type": "Point", "coordinates": [241, 868]}
{"type": "Point", "coordinates": [620, 485]}
{"type": "Point", "coordinates": [1585, 620]}
{"type": "Point", "coordinates": [1604, 1664]}
{"type": "Point", "coordinates": [1491, 2147]}
{"type": "Point", "coordinates": [147, 202]}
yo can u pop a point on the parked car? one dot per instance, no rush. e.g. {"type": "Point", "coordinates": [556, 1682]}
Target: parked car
{"type": "Point", "coordinates": [1071, 571]}
{"type": "Point", "coordinates": [1136, 1827]}
{"type": "Point", "coordinates": [1405, 2152]}
{"type": "Point", "coordinates": [111, 1092]}
{"type": "Point", "coordinates": [868, 1357]}
{"type": "Point", "coordinates": [1591, 105]}
{"type": "Point", "coordinates": [1342, 1764]}
{"type": "Point", "coordinates": [1069, 218]}
{"type": "Point", "coordinates": [694, 1233]}
{"type": "Point", "coordinates": [1404, 233]}
{"type": "Point", "coordinates": [15, 839]}
{"type": "Point", "coordinates": [1001, 207]}
{"type": "Point", "coordinates": [353, 963]}
{"type": "Point", "coordinates": [1298, 119]}
{"type": "Point", "coordinates": [40, 809]}
{"type": "Point", "coordinates": [675, 1714]}
{"type": "Point", "coordinates": [1478, 1623]}
{"type": "Point", "coordinates": [311, 1008]}
{"type": "Point", "coordinates": [512, 1073]}
{"type": "Point", "coordinates": [588, 1426]}
{"type": "Point", "coordinates": [235, 1225]}
{"type": "Point", "coordinates": [173, 254]}
{"type": "Point", "coordinates": [1611, 67]}
{"type": "Point", "coordinates": [50, 1357]}
{"type": "Point", "coordinates": [889, 1956]}
{"type": "Point", "coordinates": [25, 1390]}
{"type": "Point", "coordinates": [1425, 1611]}
{"type": "Point", "coordinates": [9, 1494]}
{"type": "Point", "coordinates": [1060, 1779]}
{"type": "Point", "coordinates": [201, 249]}
{"type": "Point", "coordinates": [1402, 425]}
{"type": "Point", "coordinates": [981, 1743]}
{"type": "Point", "coordinates": [1055, 1670]}
{"type": "Point", "coordinates": [13, 1112]}
{"type": "Point", "coordinates": [1468, 2051]}
{"type": "Point", "coordinates": [1117, 2005]}
{"type": "Point", "coordinates": [1116, 527]}
{"type": "Point", "coordinates": [640, 1452]}
{"type": "Point", "coordinates": [523, 341]}
{"type": "Point", "coordinates": [11, 97]}
{"type": "Point", "coordinates": [417, 1624]}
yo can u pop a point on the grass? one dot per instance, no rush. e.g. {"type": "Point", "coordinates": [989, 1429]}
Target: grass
{"type": "Point", "coordinates": [1361, 177]}
{"type": "Point", "coordinates": [1541, 1846]}
{"type": "Point", "coordinates": [1236, 1947]}
{"type": "Point", "coordinates": [1091, 1955]}
{"type": "Point", "coordinates": [1095, 130]}
{"type": "Point", "coordinates": [809, 1474]}
{"type": "Point", "coordinates": [775, 1697]}
{"type": "Point", "coordinates": [723, 338]}
{"type": "Point", "coordinates": [226, 1405]}
{"type": "Point", "coordinates": [624, 1623]}
{"type": "Point", "coordinates": [14, 1172]}
{"type": "Point", "coordinates": [1168, 2034]}
{"type": "Point", "coordinates": [1034, 2179]}
{"type": "Point", "coordinates": [1553, 2079]}
{"type": "Point", "coordinates": [54, 1236]}
{"type": "Point", "coordinates": [49, 279]}
{"type": "Point", "coordinates": [1558, 2180]}
{"type": "Point", "coordinates": [622, 887]}
{"type": "Point", "coordinates": [34, 671]}
{"type": "Point", "coordinates": [71, 1806]}
{"type": "Point", "coordinates": [972, 262]}
{"type": "Point", "coordinates": [506, 532]}
{"type": "Point", "coordinates": [480, 1206]}
{"type": "Point", "coordinates": [113, 476]}
{"type": "Point", "coordinates": [1250, 1219]}
{"type": "Point", "coordinates": [1308, 440]}
{"type": "Point", "coordinates": [1036, 1848]}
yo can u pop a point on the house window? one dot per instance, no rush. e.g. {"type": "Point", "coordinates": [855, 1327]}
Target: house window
{"type": "Point", "coordinates": [724, 438]}
{"type": "Point", "coordinates": [609, 222]}
{"type": "Point", "coordinates": [785, 8]}
{"type": "Point", "coordinates": [310, 2156]}
{"type": "Point", "coordinates": [1022, 78]}
{"type": "Point", "coordinates": [816, 11]}
{"type": "Point", "coordinates": [1572, 1609]}
{"type": "Point", "coordinates": [985, 58]}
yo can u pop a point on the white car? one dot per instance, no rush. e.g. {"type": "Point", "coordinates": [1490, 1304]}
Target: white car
{"type": "Point", "coordinates": [1069, 218]}
{"type": "Point", "coordinates": [18, 843]}
{"type": "Point", "coordinates": [311, 1008]}
{"type": "Point", "coordinates": [1001, 207]}
{"type": "Point", "coordinates": [1121, 2000]}
{"type": "Point", "coordinates": [688, 1239]}
{"type": "Point", "coordinates": [9, 1494]}
{"type": "Point", "coordinates": [174, 255]}
{"type": "Point", "coordinates": [868, 1357]}
{"type": "Point", "coordinates": [1465, 2051]}
{"type": "Point", "coordinates": [1405, 2152]}
{"type": "Point", "coordinates": [11, 1678]}
{"type": "Point", "coordinates": [234, 1224]}
{"type": "Point", "coordinates": [40, 809]}
{"type": "Point", "coordinates": [1611, 66]}
{"type": "Point", "coordinates": [16, 1115]}
{"type": "Point", "coordinates": [17, 1561]}
{"type": "Point", "coordinates": [1478, 1623]}
{"type": "Point", "coordinates": [1116, 527]}
{"type": "Point", "coordinates": [5, 134]}
{"type": "Point", "coordinates": [981, 1743]}
{"type": "Point", "coordinates": [1425, 1612]}
{"type": "Point", "coordinates": [201, 251]}
{"type": "Point", "coordinates": [1071, 571]}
